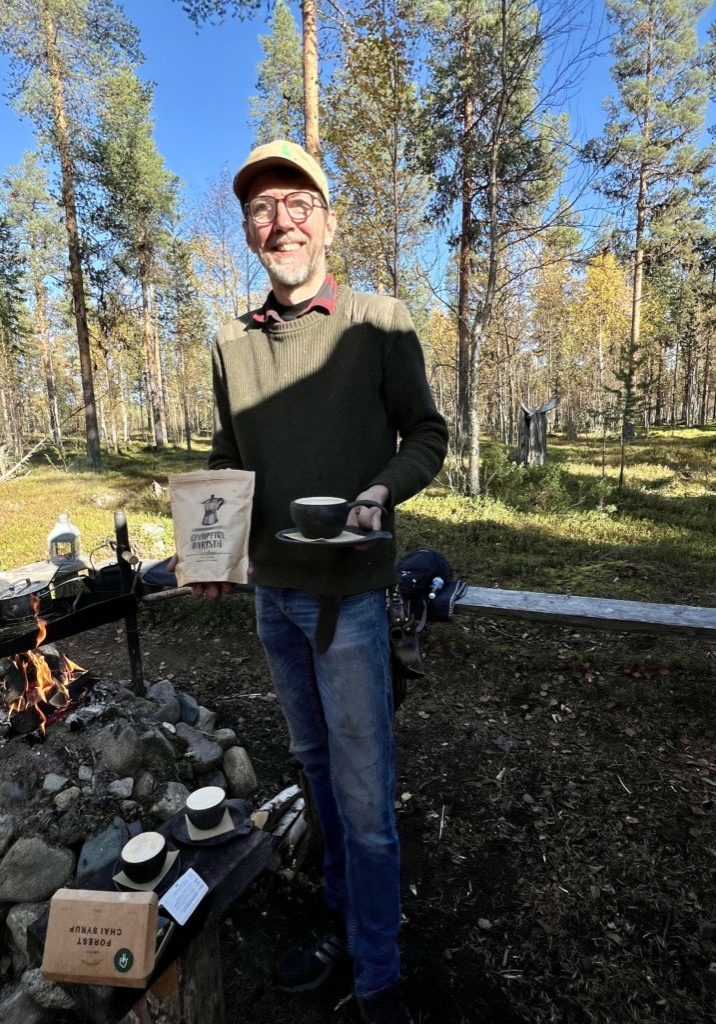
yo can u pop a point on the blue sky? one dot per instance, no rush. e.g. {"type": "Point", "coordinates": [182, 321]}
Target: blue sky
{"type": "Point", "coordinates": [204, 78]}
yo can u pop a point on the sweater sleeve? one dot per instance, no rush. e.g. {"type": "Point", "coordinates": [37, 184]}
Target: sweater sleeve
{"type": "Point", "coordinates": [411, 410]}
{"type": "Point", "coordinates": [224, 449]}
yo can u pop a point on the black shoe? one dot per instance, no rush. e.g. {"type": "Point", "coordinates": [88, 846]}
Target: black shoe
{"type": "Point", "coordinates": [386, 1007]}
{"type": "Point", "coordinates": [306, 967]}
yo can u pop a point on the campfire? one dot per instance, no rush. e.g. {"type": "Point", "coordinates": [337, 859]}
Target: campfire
{"type": "Point", "coordinates": [40, 685]}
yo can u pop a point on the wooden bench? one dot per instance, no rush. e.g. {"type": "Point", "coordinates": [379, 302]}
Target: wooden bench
{"type": "Point", "coordinates": [590, 612]}
{"type": "Point", "coordinates": [565, 610]}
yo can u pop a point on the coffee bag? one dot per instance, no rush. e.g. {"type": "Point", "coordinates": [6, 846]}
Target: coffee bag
{"type": "Point", "coordinates": [211, 510]}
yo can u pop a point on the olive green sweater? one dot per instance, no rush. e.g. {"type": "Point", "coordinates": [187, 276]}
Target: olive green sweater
{"type": "Point", "coordinates": [315, 406]}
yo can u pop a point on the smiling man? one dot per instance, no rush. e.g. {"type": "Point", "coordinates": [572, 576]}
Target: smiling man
{"type": "Point", "coordinates": [322, 391]}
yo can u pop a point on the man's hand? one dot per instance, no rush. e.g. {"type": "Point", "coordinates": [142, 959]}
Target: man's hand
{"type": "Point", "coordinates": [210, 590]}
{"type": "Point", "coordinates": [366, 518]}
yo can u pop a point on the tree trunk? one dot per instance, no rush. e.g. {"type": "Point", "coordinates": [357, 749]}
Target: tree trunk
{"type": "Point", "coordinates": [463, 300]}
{"type": "Point", "coordinates": [154, 393]}
{"type": "Point", "coordinates": [161, 387]}
{"type": "Point", "coordinates": [310, 76]}
{"type": "Point", "coordinates": [532, 437]}
{"type": "Point", "coordinates": [43, 333]}
{"type": "Point", "coordinates": [627, 432]}
{"type": "Point", "coordinates": [73, 242]}
{"type": "Point", "coordinates": [704, 403]}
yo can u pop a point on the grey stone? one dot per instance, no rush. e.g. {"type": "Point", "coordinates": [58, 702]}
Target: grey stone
{"type": "Point", "coordinates": [189, 708]}
{"type": "Point", "coordinates": [239, 772]}
{"type": "Point", "coordinates": [53, 783]}
{"type": "Point", "coordinates": [156, 750]}
{"type": "Point", "coordinates": [167, 711]}
{"type": "Point", "coordinates": [117, 746]}
{"type": "Point", "coordinates": [12, 795]}
{"type": "Point", "coordinates": [161, 691]}
{"type": "Point", "coordinates": [101, 850]}
{"type": "Point", "coordinates": [16, 1007]}
{"type": "Point", "coordinates": [206, 720]}
{"type": "Point", "coordinates": [7, 831]}
{"type": "Point", "coordinates": [215, 779]}
{"type": "Point", "coordinates": [164, 697]}
{"type": "Point", "coordinates": [45, 993]}
{"type": "Point", "coordinates": [172, 799]}
{"type": "Point", "coordinates": [203, 754]}
{"type": "Point", "coordinates": [31, 870]}
{"type": "Point", "coordinates": [225, 738]}
{"type": "Point", "coordinates": [85, 773]}
{"type": "Point", "coordinates": [121, 788]}
{"type": "Point", "coordinates": [67, 797]}
{"type": "Point", "coordinates": [19, 920]}
{"type": "Point", "coordinates": [129, 808]}
{"type": "Point", "coordinates": [144, 786]}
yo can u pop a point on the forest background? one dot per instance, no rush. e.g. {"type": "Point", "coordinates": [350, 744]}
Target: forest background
{"type": "Point", "coordinates": [544, 255]}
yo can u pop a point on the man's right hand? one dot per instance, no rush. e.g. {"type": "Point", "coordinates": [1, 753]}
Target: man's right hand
{"type": "Point", "coordinates": [210, 590]}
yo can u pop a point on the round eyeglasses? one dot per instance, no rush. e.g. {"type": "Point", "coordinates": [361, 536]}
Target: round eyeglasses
{"type": "Point", "coordinates": [299, 207]}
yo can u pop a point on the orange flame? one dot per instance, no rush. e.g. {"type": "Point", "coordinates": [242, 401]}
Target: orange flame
{"type": "Point", "coordinates": [40, 686]}
{"type": "Point", "coordinates": [41, 624]}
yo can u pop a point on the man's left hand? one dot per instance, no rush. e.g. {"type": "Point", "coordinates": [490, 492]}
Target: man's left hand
{"type": "Point", "coordinates": [364, 517]}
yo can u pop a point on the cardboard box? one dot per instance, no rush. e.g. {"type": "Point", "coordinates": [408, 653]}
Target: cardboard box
{"type": "Point", "coordinates": [101, 938]}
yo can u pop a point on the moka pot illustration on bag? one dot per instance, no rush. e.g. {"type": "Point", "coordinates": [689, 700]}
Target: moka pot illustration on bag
{"type": "Point", "coordinates": [211, 510]}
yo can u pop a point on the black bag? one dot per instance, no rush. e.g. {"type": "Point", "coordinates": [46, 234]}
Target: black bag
{"type": "Point", "coordinates": [424, 591]}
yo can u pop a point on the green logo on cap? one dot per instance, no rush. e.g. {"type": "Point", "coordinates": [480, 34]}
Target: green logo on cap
{"type": "Point", "coordinates": [286, 149]}
{"type": "Point", "coordinates": [123, 960]}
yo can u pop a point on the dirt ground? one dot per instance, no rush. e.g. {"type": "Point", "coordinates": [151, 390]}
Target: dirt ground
{"type": "Point", "coordinates": [557, 813]}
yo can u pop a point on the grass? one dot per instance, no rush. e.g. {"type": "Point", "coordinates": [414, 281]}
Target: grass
{"type": "Point", "coordinates": [561, 528]}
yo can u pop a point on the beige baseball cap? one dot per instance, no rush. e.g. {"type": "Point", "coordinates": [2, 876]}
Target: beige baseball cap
{"type": "Point", "coordinates": [280, 153]}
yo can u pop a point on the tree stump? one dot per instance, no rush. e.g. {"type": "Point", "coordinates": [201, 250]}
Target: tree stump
{"type": "Point", "coordinates": [191, 989]}
{"type": "Point", "coordinates": [532, 434]}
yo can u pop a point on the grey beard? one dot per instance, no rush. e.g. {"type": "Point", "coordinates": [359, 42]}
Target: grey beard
{"type": "Point", "coordinates": [287, 277]}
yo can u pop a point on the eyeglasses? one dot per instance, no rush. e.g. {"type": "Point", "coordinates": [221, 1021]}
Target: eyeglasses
{"type": "Point", "coordinates": [299, 207]}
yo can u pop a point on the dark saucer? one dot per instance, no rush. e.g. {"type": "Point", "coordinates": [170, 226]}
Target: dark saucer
{"type": "Point", "coordinates": [158, 887]}
{"type": "Point", "coordinates": [239, 811]}
{"type": "Point", "coordinates": [348, 538]}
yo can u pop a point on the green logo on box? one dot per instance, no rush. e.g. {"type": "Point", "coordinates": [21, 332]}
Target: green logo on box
{"type": "Point", "coordinates": [123, 960]}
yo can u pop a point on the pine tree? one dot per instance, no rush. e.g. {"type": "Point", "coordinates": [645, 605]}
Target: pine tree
{"type": "Point", "coordinates": [37, 223]}
{"type": "Point", "coordinates": [57, 50]}
{"type": "Point", "coordinates": [277, 111]}
{"type": "Point", "coordinates": [652, 166]}
{"type": "Point", "coordinates": [139, 195]}
{"type": "Point", "coordinates": [207, 10]}
{"type": "Point", "coordinates": [382, 195]}
{"type": "Point", "coordinates": [496, 154]}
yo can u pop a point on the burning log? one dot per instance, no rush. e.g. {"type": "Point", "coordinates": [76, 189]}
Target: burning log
{"type": "Point", "coordinates": [40, 685]}
{"type": "Point", "coordinates": [26, 721]}
{"type": "Point", "coordinates": [14, 684]}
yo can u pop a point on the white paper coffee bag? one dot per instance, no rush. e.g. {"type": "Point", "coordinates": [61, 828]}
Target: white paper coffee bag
{"type": "Point", "coordinates": [211, 509]}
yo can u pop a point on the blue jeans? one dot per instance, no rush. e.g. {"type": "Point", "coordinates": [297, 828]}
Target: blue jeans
{"type": "Point", "coordinates": [339, 710]}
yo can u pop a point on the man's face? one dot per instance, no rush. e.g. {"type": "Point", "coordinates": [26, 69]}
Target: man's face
{"type": "Point", "coordinates": [292, 254]}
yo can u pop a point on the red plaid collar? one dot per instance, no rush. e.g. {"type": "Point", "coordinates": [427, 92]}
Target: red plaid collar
{"type": "Point", "coordinates": [324, 300]}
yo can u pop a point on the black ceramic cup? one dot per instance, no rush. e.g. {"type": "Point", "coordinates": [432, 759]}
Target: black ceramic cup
{"type": "Point", "coordinates": [205, 807]}
{"type": "Point", "coordinates": [323, 518]}
{"type": "Point", "coordinates": [143, 856]}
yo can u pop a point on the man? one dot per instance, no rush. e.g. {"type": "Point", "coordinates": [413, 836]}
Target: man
{"type": "Point", "coordinates": [312, 392]}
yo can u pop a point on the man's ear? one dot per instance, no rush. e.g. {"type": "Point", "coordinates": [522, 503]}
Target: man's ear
{"type": "Point", "coordinates": [330, 227]}
{"type": "Point", "coordinates": [247, 235]}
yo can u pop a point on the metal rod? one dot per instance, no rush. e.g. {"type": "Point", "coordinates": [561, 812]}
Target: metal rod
{"type": "Point", "coordinates": [130, 621]}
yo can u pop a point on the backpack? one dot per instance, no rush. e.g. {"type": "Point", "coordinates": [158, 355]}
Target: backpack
{"type": "Point", "coordinates": [424, 591]}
